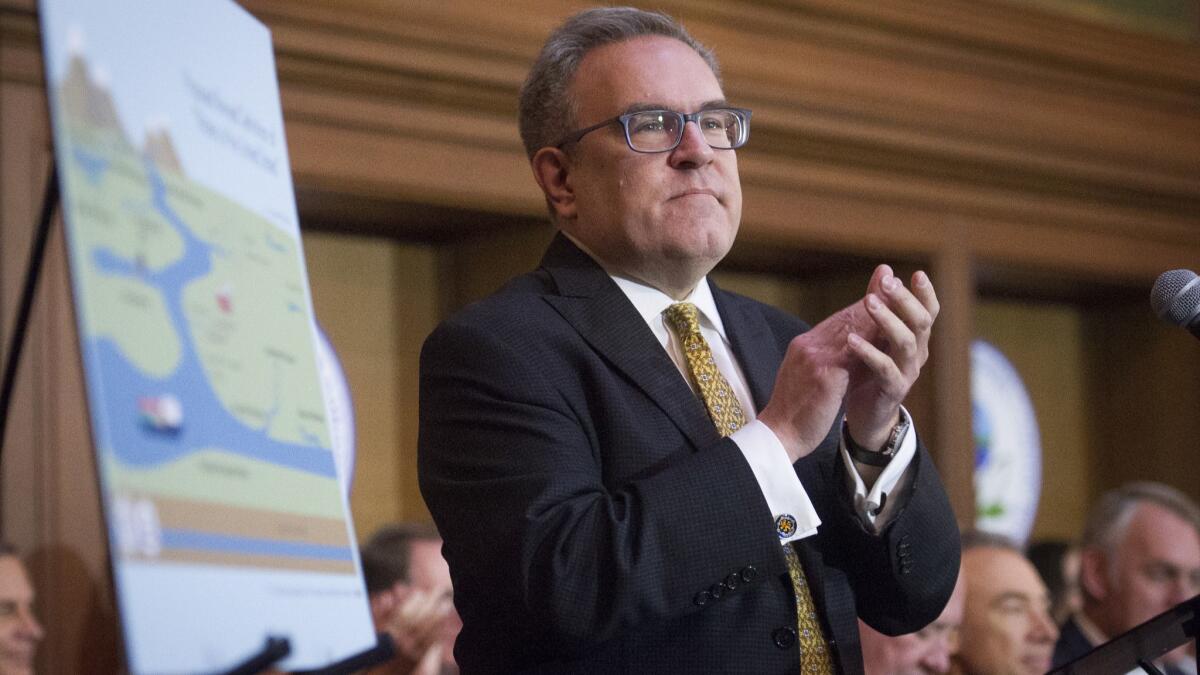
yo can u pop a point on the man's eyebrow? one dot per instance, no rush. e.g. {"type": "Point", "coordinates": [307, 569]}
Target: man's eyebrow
{"type": "Point", "coordinates": [1011, 595]}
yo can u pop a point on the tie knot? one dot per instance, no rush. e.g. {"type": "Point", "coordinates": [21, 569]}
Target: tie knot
{"type": "Point", "coordinates": [684, 318]}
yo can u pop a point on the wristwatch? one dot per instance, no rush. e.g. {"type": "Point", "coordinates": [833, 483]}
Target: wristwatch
{"type": "Point", "coordinates": [877, 457]}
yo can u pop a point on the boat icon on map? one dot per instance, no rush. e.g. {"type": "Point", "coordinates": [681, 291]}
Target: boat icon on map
{"type": "Point", "coordinates": [162, 414]}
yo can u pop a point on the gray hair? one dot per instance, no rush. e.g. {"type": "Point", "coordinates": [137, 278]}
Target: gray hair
{"type": "Point", "coordinates": [547, 110]}
{"type": "Point", "coordinates": [1110, 517]}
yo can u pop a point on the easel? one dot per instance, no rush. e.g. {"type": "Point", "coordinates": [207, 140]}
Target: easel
{"type": "Point", "coordinates": [275, 648]}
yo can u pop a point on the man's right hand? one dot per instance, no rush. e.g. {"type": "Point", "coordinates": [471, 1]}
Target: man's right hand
{"type": "Point", "coordinates": [813, 378]}
{"type": "Point", "coordinates": [414, 618]}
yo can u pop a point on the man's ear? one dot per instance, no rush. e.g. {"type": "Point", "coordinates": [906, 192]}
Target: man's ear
{"type": "Point", "coordinates": [552, 171]}
{"type": "Point", "coordinates": [1094, 573]}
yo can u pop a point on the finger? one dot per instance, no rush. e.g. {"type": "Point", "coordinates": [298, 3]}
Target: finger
{"type": "Point", "coordinates": [910, 310]}
{"type": "Point", "coordinates": [902, 345]}
{"type": "Point", "coordinates": [882, 272]}
{"type": "Point", "coordinates": [922, 288]}
{"type": "Point", "coordinates": [891, 381]}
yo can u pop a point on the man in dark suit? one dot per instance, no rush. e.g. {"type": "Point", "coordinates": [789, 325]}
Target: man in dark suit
{"type": "Point", "coordinates": [1139, 557]}
{"type": "Point", "coordinates": [614, 449]}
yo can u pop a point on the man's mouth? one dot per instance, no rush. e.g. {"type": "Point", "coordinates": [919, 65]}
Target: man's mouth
{"type": "Point", "coordinates": [697, 192]}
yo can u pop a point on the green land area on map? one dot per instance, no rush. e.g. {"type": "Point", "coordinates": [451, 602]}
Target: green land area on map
{"type": "Point", "coordinates": [245, 312]}
{"type": "Point", "coordinates": [247, 317]}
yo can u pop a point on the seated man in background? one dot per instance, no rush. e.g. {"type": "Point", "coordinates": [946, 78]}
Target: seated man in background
{"type": "Point", "coordinates": [20, 631]}
{"type": "Point", "coordinates": [1007, 629]}
{"type": "Point", "coordinates": [1140, 557]}
{"type": "Point", "coordinates": [925, 652]}
{"type": "Point", "coordinates": [412, 599]}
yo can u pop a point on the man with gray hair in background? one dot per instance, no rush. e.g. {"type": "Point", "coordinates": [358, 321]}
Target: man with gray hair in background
{"type": "Point", "coordinates": [1140, 556]}
{"type": "Point", "coordinates": [635, 470]}
{"type": "Point", "coordinates": [1006, 628]}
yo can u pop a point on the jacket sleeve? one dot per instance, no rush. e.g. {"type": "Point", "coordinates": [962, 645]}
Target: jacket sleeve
{"type": "Point", "coordinates": [542, 548]}
{"type": "Point", "coordinates": [903, 576]}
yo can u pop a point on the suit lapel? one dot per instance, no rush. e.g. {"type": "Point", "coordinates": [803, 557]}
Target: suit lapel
{"type": "Point", "coordinates": [752, 342]}
{"type": "Point", "coordinates": [595, 306]}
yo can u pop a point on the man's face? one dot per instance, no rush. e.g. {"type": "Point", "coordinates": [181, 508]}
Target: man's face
{"type": "Point", "coordinates": [663, 218]}
{"type": "Point", "coordinates": [925, 652]}
{"type": "Point", "coordinates": [19, 630]}
{"type": "Point", "coordinates": [1007, 629]}
{"type": "Point", "coordinates": [1155, 567]}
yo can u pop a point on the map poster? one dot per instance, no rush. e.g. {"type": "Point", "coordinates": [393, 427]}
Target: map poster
{"type": "Point", "coordinates": [225, 516]}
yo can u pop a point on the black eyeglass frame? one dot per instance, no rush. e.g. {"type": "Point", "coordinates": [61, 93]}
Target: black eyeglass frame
{"type": "Point", "coordinates": [743, 113]}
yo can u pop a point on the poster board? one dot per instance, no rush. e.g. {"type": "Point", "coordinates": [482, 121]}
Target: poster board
{"type": "Point", "coordinates": [225, 517]}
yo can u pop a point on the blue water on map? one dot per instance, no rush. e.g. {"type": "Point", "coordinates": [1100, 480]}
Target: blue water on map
{"type": "Point", "coordinates": [118, 384]}
{"type": "Point", "coordinates": [92, 165]}
{"type": "Point", "coordinates": [208, 541]}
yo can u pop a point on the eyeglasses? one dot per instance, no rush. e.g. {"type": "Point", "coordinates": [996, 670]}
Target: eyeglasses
{"type": "Point", "coordinates": [662, 130]}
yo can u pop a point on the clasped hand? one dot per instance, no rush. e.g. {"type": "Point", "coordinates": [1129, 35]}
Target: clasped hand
{"type": "Point", "coordinates": [866, 356]}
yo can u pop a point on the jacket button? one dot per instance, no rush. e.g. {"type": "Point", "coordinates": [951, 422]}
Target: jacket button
{"type": "Point", "coordinates": [716, 591]}
{"type": "Point", "coordinates": [731, 582]}
{"type": "Point", "coordinates": [784, 637]}
{"type": "Point", "coordinates": [748, 573]}
{"type": "Point", "coordinates": [701, 599]}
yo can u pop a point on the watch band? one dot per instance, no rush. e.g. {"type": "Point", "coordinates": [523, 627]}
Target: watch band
{"type": "Point", "coordinates": [882, 456]}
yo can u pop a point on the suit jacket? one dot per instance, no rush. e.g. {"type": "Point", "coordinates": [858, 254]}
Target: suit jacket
{"type": "Point", "coordinates": [1071, 644]}
{"type": "Point", "coordinates": [594, 520]}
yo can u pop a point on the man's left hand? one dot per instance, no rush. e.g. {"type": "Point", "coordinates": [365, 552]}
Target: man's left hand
{"type": "Point", "coordinates": [891, 359]}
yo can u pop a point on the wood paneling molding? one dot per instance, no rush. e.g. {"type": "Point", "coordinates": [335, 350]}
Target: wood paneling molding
{"type": "Point", "coordinates": [981, 112]}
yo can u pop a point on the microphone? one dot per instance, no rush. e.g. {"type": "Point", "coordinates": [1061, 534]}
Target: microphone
{"type": "Point", "coordinates": [1175, 298]}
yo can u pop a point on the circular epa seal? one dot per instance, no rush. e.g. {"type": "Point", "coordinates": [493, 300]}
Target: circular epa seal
{"type": "Point", "coordinates": [1008, 452]}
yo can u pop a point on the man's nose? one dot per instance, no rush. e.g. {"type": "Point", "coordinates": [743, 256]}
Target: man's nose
{"type": "Point", "coordinates": [1042, 627]}
{"type": "Point", "coordinates": [1183, 589]}
{"type": "Point", "coordinates": [29, 626]}
{"type": "Point", "coordinates": [693, 148]}
{"type": "Point", "coordinates": [936, 661]}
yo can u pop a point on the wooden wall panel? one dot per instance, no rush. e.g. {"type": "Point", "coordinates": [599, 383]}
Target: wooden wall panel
{"type": "Point", "coordinates": [984, 140]}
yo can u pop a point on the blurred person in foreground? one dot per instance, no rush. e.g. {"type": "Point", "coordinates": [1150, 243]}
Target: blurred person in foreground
{"type": "Point", "coordinates": [1007, 628]}
{"type": "Point", "coordinates": [1140, 556]}
{"type": "Point", "coordinates": [412, 599]}
{"type": "Point", "coordinates": [635, 470]}
{"type": "Point", "coordinates": [926, 652]}
{"type": "Point", "coordinates": [1057, 562]}
{"type": "Point", "coordinates": [20, 631]}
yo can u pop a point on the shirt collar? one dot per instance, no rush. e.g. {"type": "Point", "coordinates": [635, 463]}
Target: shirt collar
{"type": "Point", "coordinates": [1089, 629]}
{"type": "Point", "coordinates": [651, 302]}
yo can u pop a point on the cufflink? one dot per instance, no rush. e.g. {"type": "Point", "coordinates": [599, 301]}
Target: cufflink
{"type": "Point", "coordinates": [785, 525]}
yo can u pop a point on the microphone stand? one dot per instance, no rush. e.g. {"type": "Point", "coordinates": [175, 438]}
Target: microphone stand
{"type": "Point", "coordinates": [276, 648]}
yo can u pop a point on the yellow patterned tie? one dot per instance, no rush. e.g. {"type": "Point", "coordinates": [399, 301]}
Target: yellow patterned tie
{"type": "Point", "coordinates": [722, 404]}
{"type": "Point", "coordinates": [814, 657]}
{"type": "Point", "coordinates": [727, 414]}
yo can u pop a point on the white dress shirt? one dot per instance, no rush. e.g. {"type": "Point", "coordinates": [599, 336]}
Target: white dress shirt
{"type": "Point", "coordinates": [768, 460]}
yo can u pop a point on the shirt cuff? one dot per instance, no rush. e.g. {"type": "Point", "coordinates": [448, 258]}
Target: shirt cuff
{"type": "Point", "coordinates": [795, 517]}
{"type": "Point", "coordinates": [875, 506]}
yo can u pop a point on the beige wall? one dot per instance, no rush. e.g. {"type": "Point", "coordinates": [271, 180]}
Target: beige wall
{"type": "Point", "coordinates": [376, 300]}
{"type": "Point", "coordinates": [1045, 343]}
